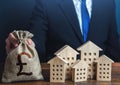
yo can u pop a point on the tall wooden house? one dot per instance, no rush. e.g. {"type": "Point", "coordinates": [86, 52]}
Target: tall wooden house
{"type": "Point", "coordinates": [57, 69]}
{"type": "Point", "coordinates": [70, 55]}
{"type": "Point", "coordinates": [89, 52]}
{"type": "Point", "coordinates": [79, 71]}
{"type": "Point", "coordinates": [104, 67]}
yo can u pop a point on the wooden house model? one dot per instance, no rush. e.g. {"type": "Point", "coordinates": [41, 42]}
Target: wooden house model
{"type": "Point", "coordinates": [89, 52]}
{"type": "Point", "coordinates": [57, 69]}
{"type": "Point", "coordinates": [104, 67]}
{"type": "Point", "coordinates": [79, 71]}
{"type": "Point", "coordinates": [70, 55]}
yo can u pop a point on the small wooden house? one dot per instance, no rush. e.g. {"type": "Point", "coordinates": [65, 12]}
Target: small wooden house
{"type": "Point", "coordinates": [89, 52]}
{"type": "Point", "coordinates": [70, 55]}
{"type": "Point", "coordinates": [79, 71]}
{"type": "Point", "coordinates": [104, 67]}
{"type": "Point", "coordinates": [57, 69]}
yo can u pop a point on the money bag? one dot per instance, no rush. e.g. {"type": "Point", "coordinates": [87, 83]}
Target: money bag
{"type": "Point", "coordinates": [22, 63]}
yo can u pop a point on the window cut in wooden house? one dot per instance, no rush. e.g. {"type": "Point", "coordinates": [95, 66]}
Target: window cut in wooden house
{"type": "Point", "coordinates": [85, 54]}
{"type": "Point", "coordinates": [85, 59]}
{"type": "Point", "coordinates": [94, 54]}
{"type": "Point", "coordinates": [90, 54]}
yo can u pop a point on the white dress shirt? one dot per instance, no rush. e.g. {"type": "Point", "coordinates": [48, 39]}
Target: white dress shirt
{"type": "Point", "coordinates": [77, 5]}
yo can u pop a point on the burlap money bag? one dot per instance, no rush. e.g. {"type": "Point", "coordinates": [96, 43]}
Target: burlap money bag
{"type": "Point", "coordinates": [22, 63]}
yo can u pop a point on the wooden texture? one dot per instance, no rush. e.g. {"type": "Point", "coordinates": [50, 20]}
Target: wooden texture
{"type": "Point", "coordinates": [68, 54]}
{"type": "Point", "coordinates": [57, 69]}
{"type": "Point", "coordinates": [79, 71]}
{"type": "Point", "coordinates": [91, 82]}
{"type": "Point", "coordinates": [45, 68]}
{"type": "Point", "coordinates": [116, 71]}
{"type": "Point", "coordinates": [104, 68]}
{"type": "Point", "coordinates": [89, 52]}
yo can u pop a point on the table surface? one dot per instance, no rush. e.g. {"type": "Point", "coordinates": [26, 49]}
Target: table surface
{"type": "Point", "coordinates": [115, 78]}
{"type": "Point", "coordinates": [89, 82]}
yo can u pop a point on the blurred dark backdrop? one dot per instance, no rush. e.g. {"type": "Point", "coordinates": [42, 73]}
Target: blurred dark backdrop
{"type": "Point", "coordinates": [118, 14]}
{"type": "Point", "coordinates": [15, 14]}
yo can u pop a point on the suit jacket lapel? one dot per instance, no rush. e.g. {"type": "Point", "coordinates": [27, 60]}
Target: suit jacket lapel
{"type": "Point", "coordinates": [68, 9]}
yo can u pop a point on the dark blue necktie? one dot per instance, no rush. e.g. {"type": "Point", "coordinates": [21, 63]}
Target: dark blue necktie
{"type": "Point", "coordinates": [85, 19]}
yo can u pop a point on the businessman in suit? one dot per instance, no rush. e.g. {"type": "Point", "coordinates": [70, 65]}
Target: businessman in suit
{"type": "Point", "coordinates": [56, 23]}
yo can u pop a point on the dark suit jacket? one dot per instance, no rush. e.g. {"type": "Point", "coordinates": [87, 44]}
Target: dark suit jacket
{"type": "Point", "coordinates": [55, 24]}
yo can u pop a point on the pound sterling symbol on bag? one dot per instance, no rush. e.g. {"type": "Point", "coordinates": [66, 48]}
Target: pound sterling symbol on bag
{"type": "Point", "coordinates": [21, 64]}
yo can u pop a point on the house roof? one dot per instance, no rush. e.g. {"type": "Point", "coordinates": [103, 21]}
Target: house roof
{"type": "Point", "coordinates": [57, 59]}
{"type": "Point", "coordinates": [80, 63]}
{"type": "Point", "coordinates": [64, 48]}
{"type": "Point", "coordinates": [104, 58]}
{"type": "Point", "coordinates": [89, 45]}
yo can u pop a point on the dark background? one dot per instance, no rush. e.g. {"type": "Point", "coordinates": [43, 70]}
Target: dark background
{"type": "Point", "coordinates": [118, 14]}
{"type": "Point", "coordinates": [15, 14]}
